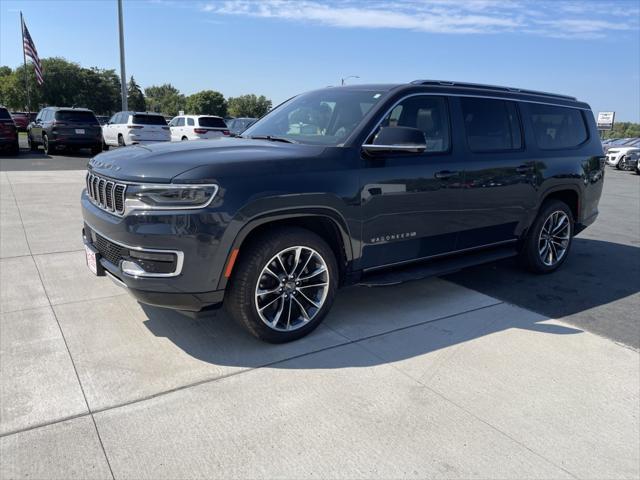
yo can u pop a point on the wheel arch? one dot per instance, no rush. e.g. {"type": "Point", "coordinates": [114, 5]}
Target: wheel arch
{"type": "Point", "coordinates": [568, 194]}
{"type": "Point", "coordinates": [327, 224]}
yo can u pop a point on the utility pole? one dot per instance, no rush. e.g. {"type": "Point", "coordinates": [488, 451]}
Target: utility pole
{"type": "Point", "coordinates": [347, 78]}
{"type": "Point", "coordinates": [123, 75]}
{"type": "Point", "coordinates": [24, 57]}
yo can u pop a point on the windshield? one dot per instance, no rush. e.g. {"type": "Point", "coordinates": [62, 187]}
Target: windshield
{"type": "Point", "coordinates": [325, 117]}
{"type": "Point", "coordinates": [4, 114]}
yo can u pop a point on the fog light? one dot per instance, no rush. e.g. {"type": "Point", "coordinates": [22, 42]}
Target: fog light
{"type": "Point", "coordinates": [132, 268]}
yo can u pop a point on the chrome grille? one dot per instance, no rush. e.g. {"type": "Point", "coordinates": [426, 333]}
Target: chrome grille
{"type": "Point", "coordinates": [106, 194]}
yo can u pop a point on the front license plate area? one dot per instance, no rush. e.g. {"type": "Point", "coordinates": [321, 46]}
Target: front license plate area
{"type": "Point", "coordinates": [93, 261]}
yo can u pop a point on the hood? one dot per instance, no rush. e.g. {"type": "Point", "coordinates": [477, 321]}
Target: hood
{"type": "Point", "coordinates": [161, 162]}
{"type": "Point", "coordinates": [622, 149]}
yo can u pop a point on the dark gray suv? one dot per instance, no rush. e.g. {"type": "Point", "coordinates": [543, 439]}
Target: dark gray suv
{"type": "Point", "coordinates": [61, 127]}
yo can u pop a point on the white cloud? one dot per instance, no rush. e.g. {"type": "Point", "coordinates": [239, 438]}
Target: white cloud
{"type": "Point", "coordinates": [546, 18]}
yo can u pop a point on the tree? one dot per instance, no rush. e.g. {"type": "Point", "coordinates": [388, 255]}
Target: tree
{"type": "Point", "coordinates": [65, 84]}
{"type": "Point", "coordinates": [623, 130]}
{"type": "Point", "coordinates": [165, 99]}
{"type": "Point", "coordinates": [135, 97]}
{"type": "Point", "coordinates": [207, 102]}
{"type": "Point", "coordinates": [249, 106]}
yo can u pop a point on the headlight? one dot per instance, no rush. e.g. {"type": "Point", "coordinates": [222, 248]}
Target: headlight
{"type": "Point", "coordinates": [166, 197]}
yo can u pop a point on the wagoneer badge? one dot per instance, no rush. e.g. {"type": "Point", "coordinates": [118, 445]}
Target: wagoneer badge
{"type": "Point", "coordinates": [392, 237]}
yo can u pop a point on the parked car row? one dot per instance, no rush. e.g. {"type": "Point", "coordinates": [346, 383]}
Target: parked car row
{"type": "Point", "coordinates": [618, 151]}
{"type": "Point", "coordinates": [71, 128]}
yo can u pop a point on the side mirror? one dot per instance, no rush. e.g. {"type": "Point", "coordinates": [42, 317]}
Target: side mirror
{"type": "Point", "coordinates": [397, 140]}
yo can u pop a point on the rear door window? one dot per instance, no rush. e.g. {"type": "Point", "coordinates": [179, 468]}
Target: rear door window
{"type": "Point", "coordinates": [4, 114]}
{"type": "Point", "coordinates": [142, 119]}
{"type": "Point", "coordinates": [491, 125]}
{"type": "Point", "coordinates": [180, 122]}
{"type": "Point", "coordinates": [557, 127]}
{"type": "Point", "coordinates": [190, 122]}
{"type": "Point", "coordinates": [212, 122]}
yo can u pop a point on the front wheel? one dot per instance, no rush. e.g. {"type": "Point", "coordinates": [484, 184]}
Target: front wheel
{"type": "Point", "coordinates": [548, 241]}
{"type": "Point", "coordinates": [121, 141]}
{"type": "Point", "coordinates": [33, 146]}
{"type": "Point", "coordinates": [46, 145]}
{"type": "Point", "coordinates": [622, 164]}
{"type": "Point", "coordinates": [283, 285]}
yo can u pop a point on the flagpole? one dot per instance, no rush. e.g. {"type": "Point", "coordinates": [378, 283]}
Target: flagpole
{"type": "Point", "coordinates": [24, 57]}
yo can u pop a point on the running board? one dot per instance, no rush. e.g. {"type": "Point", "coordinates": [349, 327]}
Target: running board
{"type": "Point", "coordinates": [435, 267]}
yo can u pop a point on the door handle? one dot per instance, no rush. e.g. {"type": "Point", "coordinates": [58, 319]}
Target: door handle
{"type": "Point", "coordinates": [524, 169]}
{"type": "Point", "coordinates": [445, 174]}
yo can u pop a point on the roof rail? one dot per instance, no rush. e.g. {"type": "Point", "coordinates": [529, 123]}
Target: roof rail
{"type": "Point", "coordinates": [494, 88]}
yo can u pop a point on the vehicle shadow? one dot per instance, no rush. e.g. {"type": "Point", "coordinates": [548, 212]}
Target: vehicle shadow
{"type": "Point", "coordinates": [218, 340]}
{"type": "Point", "coordinates": [596, 274]}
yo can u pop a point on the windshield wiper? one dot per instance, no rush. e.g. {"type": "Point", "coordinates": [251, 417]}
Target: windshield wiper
{"type": "Point", "coordinates": [271, 138]}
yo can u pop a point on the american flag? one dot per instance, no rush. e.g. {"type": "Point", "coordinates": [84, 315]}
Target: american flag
{"type": "Point", "coordinates": [31, 52]}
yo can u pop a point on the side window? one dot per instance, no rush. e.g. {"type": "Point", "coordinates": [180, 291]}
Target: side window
{"type": "Point", "coordinates": [124, 118]}
{"type": "Point", "coordinates": [427, 113]}
{"type": "Point", "coordinates": [491, 125]}
{"type": "Point", "coordinates": [557, 127]}
{"type": "Point", "coordinates": [190, 122]}
{"type": "Point", "coordinates": [113, 119]}
{"type": "Point", "coordinates": [180, 122]}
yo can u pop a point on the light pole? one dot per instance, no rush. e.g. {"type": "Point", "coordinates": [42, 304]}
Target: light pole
{"type": "Point", "coordinates": [347, 78]}
{"type": "Point", "coordinates": [123, 75]}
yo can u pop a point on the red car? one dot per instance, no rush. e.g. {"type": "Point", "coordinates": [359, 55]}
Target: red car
{"type": "Point", "coordinates": [22, 120]}
{"type": "Point", "coordinates": [8, 133]}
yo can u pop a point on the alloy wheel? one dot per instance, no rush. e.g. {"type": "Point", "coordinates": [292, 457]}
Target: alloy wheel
{"type": "Point", "coordinates": [292, 288]}
{"type": "Point", "coordinates": [554, 238]}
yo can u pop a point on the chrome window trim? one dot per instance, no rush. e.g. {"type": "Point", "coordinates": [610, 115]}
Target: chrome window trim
{"type": "Point", "coordinates": [179, 257]}
{"type": "Point", "coordinates": [444, 94]}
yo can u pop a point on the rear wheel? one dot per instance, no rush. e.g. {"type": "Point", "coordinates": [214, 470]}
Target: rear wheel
{"type": "Point", "coordinates": [548, 241]}
{"type": "Point", "coordinates": [283, 285]}
{"type": "Point", "coordinates": [15, 148]}
{"type": "Point", "coordinates": [121, 141]}
{"type": "Point", "coordinates": [184, 139]}
{"type": "Point", "coordinates": [96, 149]}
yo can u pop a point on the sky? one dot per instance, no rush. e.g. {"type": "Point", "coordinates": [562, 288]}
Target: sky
{"type": "Point", "coordinates": [589, 49]}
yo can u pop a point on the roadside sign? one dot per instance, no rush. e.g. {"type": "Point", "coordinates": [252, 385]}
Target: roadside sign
{"type": "Point", "coordinates": [605, 120]}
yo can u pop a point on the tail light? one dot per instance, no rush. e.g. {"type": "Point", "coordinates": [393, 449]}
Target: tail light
{"type": "Point", "coordinates": [226, 132]}
{"type": "Point", "coordinates": [134, 126]}
{"type": "Point", "coordinates": [57, 123]}
{"type": "Point", "coordinates": [199, 130]}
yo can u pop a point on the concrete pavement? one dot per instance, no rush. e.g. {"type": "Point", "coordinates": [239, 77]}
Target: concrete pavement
{"type": "Point", "coordinates": [427, 379]}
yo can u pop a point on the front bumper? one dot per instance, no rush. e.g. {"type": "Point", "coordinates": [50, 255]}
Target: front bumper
{"type": "Point", "coordinates": [192, 281]}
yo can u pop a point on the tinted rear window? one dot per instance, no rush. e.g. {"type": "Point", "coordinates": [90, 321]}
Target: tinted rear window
{"type": "Point", "coordinates": [491, 125]}
{"type": "Point", "coordinates": [557, 127]}
{"type": "Point", "coordinates": [4, 114]}
{"type": "Point", "coordinates": [212, 122]}
{"type": "Point", "coordinates": [76, 117]}
{"type": "Point", "coordinates": [149, 120]}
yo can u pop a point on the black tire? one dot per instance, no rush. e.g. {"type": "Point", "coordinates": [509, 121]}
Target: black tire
{"type": "Point", "coordinates": [33, 146]}
{"type": "Point", "coordinates": [622, 164]}
{"type": "Point", "coordinates": [183, 139]}
{"type": "Point", "coordinates": [15, 148]}
{"type": "Point", "coordinates": [121, 141]}
{"type": "Point", "coordinates": [46, 145]}
{"type": "Point", "coordinates": [96, 149]}
{"type": "Point", "coordinates": [240, 300]}
{"type": "Point", "coordinates": [530, 254]}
